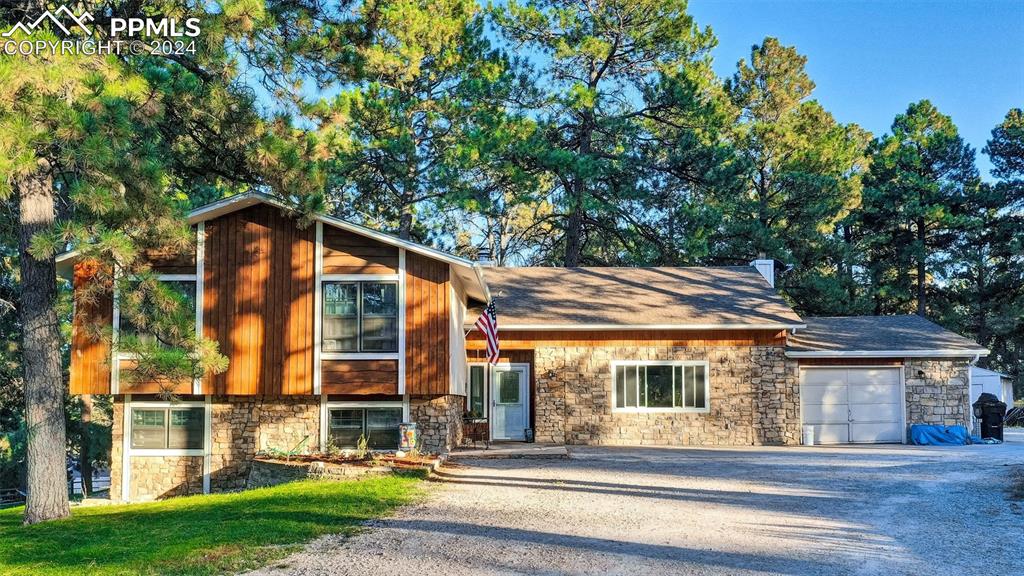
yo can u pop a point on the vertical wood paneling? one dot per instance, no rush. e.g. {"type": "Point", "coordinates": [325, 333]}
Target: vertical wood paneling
{"type": "Point", "coordinates": [258, 302]}
{"type": "Point", "coordinates": [90, 356]}
{"type": "Point", "coordinates": [426, 325]}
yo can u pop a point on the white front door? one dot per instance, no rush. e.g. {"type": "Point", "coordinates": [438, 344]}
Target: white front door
{"type": "Point", "coordinates": [510, 402]}
{"type": "Point", "coordinates": [852, 404]}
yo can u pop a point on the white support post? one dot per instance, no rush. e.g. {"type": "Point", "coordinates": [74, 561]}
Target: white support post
{"type": "Point", "coordinates": [401, 323]}
{"type": "Point", "coordinates": [323, 423]}
{"type": "Point", "coordinates": [197, 384]}
{"type": "Point", "coordinates": [115, 364]}
{"type": "Point", "coordinates": [126, 449]}
{"type": "Point", "coordinates": [318, 267]}
{"type": "Point", "coordinates": [207, 442]}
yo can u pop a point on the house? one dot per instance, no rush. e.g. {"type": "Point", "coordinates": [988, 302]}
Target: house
{"type": "Point", "coordinates": [335, 331]}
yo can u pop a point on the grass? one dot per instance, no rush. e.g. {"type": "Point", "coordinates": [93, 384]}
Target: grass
{"type": "Point", "coordinates": [215, 534]}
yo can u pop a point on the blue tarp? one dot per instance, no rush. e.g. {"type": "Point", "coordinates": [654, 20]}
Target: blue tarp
{"type": "Point", "coordinates": [935, 435]}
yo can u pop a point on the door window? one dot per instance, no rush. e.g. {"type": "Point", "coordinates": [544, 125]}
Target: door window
{"type": "Point", "coordinates": [508, 388]}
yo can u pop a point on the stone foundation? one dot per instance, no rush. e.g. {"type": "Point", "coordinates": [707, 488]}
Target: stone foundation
{"type": "Point", "coordinates": [754, 398]}
{"type": "Point", "coordinates": [937, 391]}
{"type": "Point", "coordinates": [439, 420]}
{"type": "Point", "coordinates": [158, 477]}
{"type": "Point", "coordinates": [243, 427]}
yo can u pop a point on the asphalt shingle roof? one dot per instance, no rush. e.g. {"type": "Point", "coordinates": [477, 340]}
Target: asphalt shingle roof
{"type": "Point", "coordinates": [876, 333]}
{"type": "Point", "coordinates": [664, 297]}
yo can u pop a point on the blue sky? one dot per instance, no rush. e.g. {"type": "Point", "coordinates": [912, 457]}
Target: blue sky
{"type": "Point", "coordinates": [871, 58]}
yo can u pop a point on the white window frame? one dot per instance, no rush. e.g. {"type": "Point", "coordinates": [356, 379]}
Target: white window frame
{"type": "Point", "coordinates": [327, 405]}
{"type": "Point", "coordinates": [196, 278]}
{"type": "Point", "coordinates": [359, 279]}
{"type": "Point", "coordinates": [154, 405]}
{"type": "Point", "coordinates": [127, 452]}
{"type": "Point", "coordinates": [674, 363]}
{"type": "Point", "coordinates": [487, 386]}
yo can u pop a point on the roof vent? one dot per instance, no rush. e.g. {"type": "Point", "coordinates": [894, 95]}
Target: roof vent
{"type": "Point", "coordinates": [767, 269]}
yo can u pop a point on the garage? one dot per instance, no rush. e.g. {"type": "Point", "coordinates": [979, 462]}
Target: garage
{"type": "Point", "coordinates": [852, 404]}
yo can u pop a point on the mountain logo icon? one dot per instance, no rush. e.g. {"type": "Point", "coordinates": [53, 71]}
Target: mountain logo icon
{"type": "Point", "coordinates": [56, 18]}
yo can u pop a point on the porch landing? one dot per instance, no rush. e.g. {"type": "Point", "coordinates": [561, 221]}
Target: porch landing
{"type": "Point", "coordinates": [511, 450]}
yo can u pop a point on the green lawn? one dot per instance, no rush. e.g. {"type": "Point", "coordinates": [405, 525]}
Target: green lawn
{"type": "Point", "coordinates": [214, 534]}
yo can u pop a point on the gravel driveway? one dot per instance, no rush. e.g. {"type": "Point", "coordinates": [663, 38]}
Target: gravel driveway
{"type": "Point", "coordinates": [606, 511]}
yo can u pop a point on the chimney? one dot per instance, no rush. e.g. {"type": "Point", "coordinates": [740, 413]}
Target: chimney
{"type": "Point", "coordinates": [483, 257]}
{"type": "Point", "coordinates": [766, 267]}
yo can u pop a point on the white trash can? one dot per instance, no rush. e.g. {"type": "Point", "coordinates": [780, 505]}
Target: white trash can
{"type": "Point", "coordinates": [808, 436]}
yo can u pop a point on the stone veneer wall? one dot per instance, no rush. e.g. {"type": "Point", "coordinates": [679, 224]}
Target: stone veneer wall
{"type": "Point", "coordinates": [158, 477]}
{"type": "Point", "coordinates": [754, 398]}
{"type": "Point", "coordinates": [439, 420]}
{"type": "Point", "coordinates": [941, 395]}
{"type": "Point", "coordinates": [243, 426]}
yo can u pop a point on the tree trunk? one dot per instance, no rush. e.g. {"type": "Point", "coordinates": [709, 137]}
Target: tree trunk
{"type": "Point", "coordinates": [405, 219]}
{"type": "Point", "coordinates": [44, 386]}
{"type": "Point", "coordinates": [921, 267]}
{"type": "Point", "coordinates": [576, 190]}
{"type": "Point", "coordinates": [574, 227]}
{"type": "Point", "coordinates": [84, 455]}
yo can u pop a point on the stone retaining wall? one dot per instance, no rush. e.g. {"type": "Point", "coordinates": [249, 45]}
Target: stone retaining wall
{"type": "Point", "coordinates": [754, 398]}
{"type": "Point", "coordinates": [271, 473]}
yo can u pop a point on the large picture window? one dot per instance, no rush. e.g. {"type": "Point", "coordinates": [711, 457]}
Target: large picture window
{"type": "Point", "coordinates": [167, 428]}
{"type": "Point", "coordinates": [669, 386]}
{"type": "Point", "coordinates": [360, 317]}
{"type": "Point", "coordinates": [378, 425]}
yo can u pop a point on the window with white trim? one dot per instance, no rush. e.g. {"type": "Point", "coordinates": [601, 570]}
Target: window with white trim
{"type": "Point", "coordinates": [167, 428]}
{"type": "Point", "coordinates": [379, 425]}
{"type": "Point", "coordinates": [661, 386]}
{"type": "Point", "coordinates": [360, 316]}
{"type": "Point", "coordinates": [477, 386]}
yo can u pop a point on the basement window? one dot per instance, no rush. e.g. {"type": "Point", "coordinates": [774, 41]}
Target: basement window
{"type": "Point", "coordinates": [167, 428]}
{"type": "Point", "coordinates": [660, 386]}
{"type": "Point", "coordinates": [378, 425]}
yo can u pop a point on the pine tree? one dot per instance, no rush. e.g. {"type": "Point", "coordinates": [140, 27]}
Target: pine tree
{"type": "Point", "coordinates": [612, 71]}
{"type": "Point", "coordinates": [916, 196]}
{"type": "Point", "coordinates": [800, 176]}
{"type": "Point", "coordinates": [103, 154]}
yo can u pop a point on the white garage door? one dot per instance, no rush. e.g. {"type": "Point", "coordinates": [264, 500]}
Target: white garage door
{"type": "Point", "coordinates": [852, 404]}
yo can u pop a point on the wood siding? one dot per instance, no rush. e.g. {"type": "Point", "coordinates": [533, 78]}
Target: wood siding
{"type": "Point", "coordinates": [258, 302]}
{"type": "Point", "coordinates": [526, 340]}
{"type": "Point", "coordinates": [166, 262]}
{"type": "Point", "coordinates": [427, 300]}
{"type": "Point", "coordinates": [128, 385]}
{"type": "Point", "coordinates": [348, 253]}
{"type": "Point", "coordinates": [90, 355]}
{"type": "Point", "coordinates": [359, 377]}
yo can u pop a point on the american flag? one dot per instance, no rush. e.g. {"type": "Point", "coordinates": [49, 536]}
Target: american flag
{"type": "Point", "coordinates": [488, 324]}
